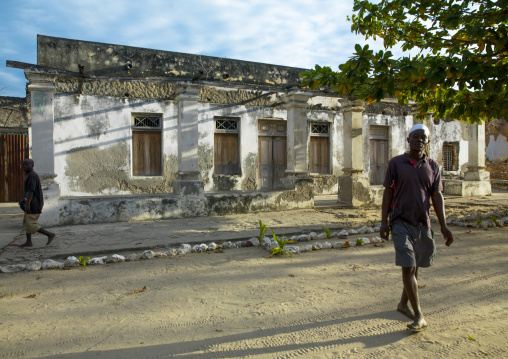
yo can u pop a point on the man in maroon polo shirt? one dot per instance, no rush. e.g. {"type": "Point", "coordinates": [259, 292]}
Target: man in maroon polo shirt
{"type": "Point", "coordinates": [412, 181]}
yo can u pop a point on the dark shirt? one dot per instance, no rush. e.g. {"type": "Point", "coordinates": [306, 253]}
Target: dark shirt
{"type": "Point", "coordinates": [33, 184]}
{"type": "Point", "coordinates": [413, 185]}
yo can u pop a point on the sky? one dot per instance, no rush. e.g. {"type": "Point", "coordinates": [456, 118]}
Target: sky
{"type": "Point", "coordinates": [298, 33]}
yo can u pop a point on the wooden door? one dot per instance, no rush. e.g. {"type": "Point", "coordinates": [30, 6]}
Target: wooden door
{"type": "Point", "coordinates": [272, 154]}
{"type": "Point", "coordinates": [279, 160]}
{"type": "Point", "coordinates": [319, 155]}
{"type": "Point", "coordinates": [265, 162]}
{"type": "Point", "coordinates": [146, 153]}
{"type": "Point", "coordinates": [13, 150]}
{"type": "Point", "coordinates": [378, 161]}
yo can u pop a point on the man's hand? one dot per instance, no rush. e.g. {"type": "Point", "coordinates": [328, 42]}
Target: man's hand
{"type": "Point", "coordinates": [27, 208]}
{"type": "Point", "coordinates": [384, 231]}
{"type": "Point", "coordinates": [447, 234]}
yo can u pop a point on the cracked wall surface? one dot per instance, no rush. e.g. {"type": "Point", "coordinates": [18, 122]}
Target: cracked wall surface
{"type": "Point", "coordinates": [14, 112]}
{"type": "Point", "coordinates": [100, 59]}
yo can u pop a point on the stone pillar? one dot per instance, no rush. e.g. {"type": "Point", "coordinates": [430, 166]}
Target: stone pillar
{"type": "Point", "coordinates": [476, 178]}
{"type": "Point", "coordinates": [41, 88]}
{"type": "Point", "coordinates": [187, 181]}
{"type": "Point", "coordinates": [297, 138]}
{"type": "Point", "coordinates": [353, 184]}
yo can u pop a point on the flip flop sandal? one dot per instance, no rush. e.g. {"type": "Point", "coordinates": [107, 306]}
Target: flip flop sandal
{"type": "Point", "coordinates": [416, 330]}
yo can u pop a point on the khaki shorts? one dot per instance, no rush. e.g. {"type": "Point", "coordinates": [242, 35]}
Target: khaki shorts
{"type": "Point", "coordinates": [30, 223]}
{"type": "Point", "coordinates": [414, 245]}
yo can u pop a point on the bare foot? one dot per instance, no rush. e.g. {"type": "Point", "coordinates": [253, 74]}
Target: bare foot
{"type": "Point", "coordinates": [50, 238]}
{"type": "Point", "coordinates": [404, 309]}
{"type": "Point", "coordinates": [26, 245]}
{"type": "Point", "coordinates": [418, 325]}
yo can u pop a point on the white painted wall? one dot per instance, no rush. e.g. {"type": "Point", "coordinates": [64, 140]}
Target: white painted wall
{"type": "Point", "coordinates": [87, 121]}
{"type": "Point", "coordinates": [454, 131]}
{"type": "Point", "coordinates": [497, 148]}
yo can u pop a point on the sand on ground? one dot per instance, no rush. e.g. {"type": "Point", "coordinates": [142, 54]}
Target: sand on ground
{"type": "Point", "coordinates": [240, 304]}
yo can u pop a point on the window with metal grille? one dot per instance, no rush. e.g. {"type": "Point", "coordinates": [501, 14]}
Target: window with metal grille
{"type": "Point", "coordinates": [319, 128]}
{"type": "Point", "coordinates": [226, 124]}
{"type": "Point", "coordinates": [226, 146]}
{"type": "Point", "coordinates": [319, 148]}
{"type": "Point", "coordinates": [450, 156]}
{"type": "Point", "coordinates": [146, 145]}
{"type": "Point", "coordinates": [146, 121]}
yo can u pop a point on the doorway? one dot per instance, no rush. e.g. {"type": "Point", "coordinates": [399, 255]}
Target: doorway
{"type": "Point", "coordinates": [378, 154]}
{"type": "Point", "coordinates": [272, 153]}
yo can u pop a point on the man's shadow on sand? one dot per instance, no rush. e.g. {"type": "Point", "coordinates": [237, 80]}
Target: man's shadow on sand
{"type": "Point", "coordinates": [390, 325]}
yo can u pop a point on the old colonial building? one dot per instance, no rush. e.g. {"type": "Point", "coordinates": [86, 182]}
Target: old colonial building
{"type": "Point", "coordinates": [121, 133]}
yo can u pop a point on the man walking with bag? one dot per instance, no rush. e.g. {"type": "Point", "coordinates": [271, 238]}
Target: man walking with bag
{"type": "Point", "coordinates": [34, 201]}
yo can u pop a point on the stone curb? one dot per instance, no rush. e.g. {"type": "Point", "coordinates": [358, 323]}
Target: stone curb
{"type": "Point", "coordinates": [474, 220]}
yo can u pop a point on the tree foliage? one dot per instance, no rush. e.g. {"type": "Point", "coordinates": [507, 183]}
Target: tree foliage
{"type": "Point", "coordinates": [460, 71]}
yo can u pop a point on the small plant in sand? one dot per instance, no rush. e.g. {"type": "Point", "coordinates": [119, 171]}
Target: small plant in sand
{"type": "Point", "coordinates": [327, 231]}
{"type": "Point", "coordinates": [83, 261]}
{"type": "Point", "coordinates": [372, 223]}
{"type": "Point", "coordinates": [494, 219]}
{"type": "Point", "coordinates": [478, 221]}
{"type": "Point", "coordinates": [360, 242]}
{"type": "Point", "coordinates": [281, 242]}
{"type": "Point", "coordinates": [262, 230]}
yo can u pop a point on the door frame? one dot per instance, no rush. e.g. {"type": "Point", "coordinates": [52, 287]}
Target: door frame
{"type": "Point", "coordinates": [275, 129]}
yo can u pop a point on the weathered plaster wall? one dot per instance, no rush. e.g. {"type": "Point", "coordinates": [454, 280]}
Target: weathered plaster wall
{"type": "Point", "coordinates": [14, 112]}
{"type": "Point", "coordinates": [113, 60]}
{"type": "Point", "coordinates": [109, 209]}
{"type": "Point", "coordinates": [398, 129]}
{"type": "Point", "coordinates": [249, 117]}
{"type": "Point", "coordinates": [93, 145]}
{"type": "Point", "coordinates": [496, 140]}
{"type": "Point", "coordinates": [449, 131]}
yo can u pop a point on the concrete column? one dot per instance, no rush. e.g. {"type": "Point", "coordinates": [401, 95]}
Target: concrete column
{"type": "Point", "coordinates": [353, 184]}
{"type": "Point", "coordinates": [188, 182]}
{"type": "Point", "coordinates": [297, 170]}
{"type": "Point", "coordinates": [477, 180]}
{"type": "Point", "coordinates": [41, 89]}
{"type": "Point", "coordinates": [297, 133]}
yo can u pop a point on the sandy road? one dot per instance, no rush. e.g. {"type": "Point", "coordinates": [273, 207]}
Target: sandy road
{"type": "Point", "coordinates": [237, 304]}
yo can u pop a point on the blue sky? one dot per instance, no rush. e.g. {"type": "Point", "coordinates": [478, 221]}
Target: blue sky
{"type": "Point", "coordinates": [298, 33]}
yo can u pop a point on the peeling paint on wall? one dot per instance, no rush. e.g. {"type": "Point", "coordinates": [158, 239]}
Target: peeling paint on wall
{"type": "Point", "coordinates": [224, 182]}
{"type": "Point", "coordinates": [97, 126]}
{"type": "Point", "coordinates": [325, 184]}
{"type": "Point", "coordinates": [103, 171]}
{"type": "Point", "coordinates": [219, 96]}
{"type": "Point", "coordinates": [205, 163]}
{"type": "Point", "coordinates": [14, 112]}
{"type": "Point", "coordinates": [250, 167]}
{"type": "Point", "coordinates": [135, 89]}
{"type": "Point", "coordinates": [96, 171]}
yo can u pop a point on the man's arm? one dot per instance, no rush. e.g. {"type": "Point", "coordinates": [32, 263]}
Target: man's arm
{"type": "Point", "coordinates": [438, 203]}
{"type": "Point", "coordinates": [385, 209]}
{"type": "Point", "coordinates": [28, 200]}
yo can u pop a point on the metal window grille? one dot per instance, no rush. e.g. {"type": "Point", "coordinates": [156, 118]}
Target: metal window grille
{"type": "Point", "coordinates": [225, 124]}
{"type": "Point", "coordinates": [448, 152]}
{"type": "Point", "coordinates": [147, 121]}
{"type": "Point", "coordinates": [319, 128]}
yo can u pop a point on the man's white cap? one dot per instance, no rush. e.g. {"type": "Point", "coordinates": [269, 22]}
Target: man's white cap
{"type": "Point", "coordinates": [420, 127]}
